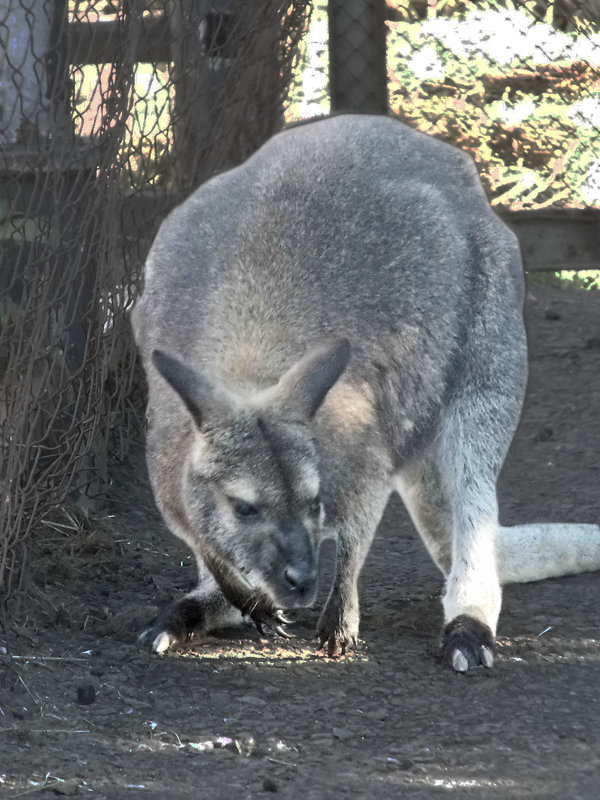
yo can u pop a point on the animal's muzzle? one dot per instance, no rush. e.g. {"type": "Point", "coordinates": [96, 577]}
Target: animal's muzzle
{"type": "Point", "coordinates": [299, 568]}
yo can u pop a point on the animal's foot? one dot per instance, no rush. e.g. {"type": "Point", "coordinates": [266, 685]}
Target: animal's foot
{"type": "Point", "coordinates": [176, 624]}
{"type": "Point", "coordinates": [263, 613]}
{"type": "Point", "coordinates": [466, 643]}
{"type": "Point", "coordinates": [337, 629]}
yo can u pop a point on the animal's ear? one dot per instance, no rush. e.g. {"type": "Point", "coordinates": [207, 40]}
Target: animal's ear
{"type": "Point", "coordinates": [203, 399]}
{"type": "Point", "coordinates": [302, 389]}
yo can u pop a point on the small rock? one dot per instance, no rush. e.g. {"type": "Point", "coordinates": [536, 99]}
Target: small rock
{"type": "Point", "coordinates": [67, 788]}
{"type": "Point", "coordinates": [86, 693]}
{"type": "Point", "coordinates": [343, 734]}
{"type": "Point", "coordinates": [252, 700]}
{"type": "Point", "coordinates": [551, 314]}
{"type": "Point", "coordinates": [23, 712]}
{"type": "Point", "coordinates": [322, 739]}
{"type": "Point", "coordinates": [245, 744]}
{"type": "Point", "coordinates": [544, 434]}
{"type": "Point", "coordinates": [593, 342]}
{"type": "Point", "coordinates": [379, 714]}
{"type": "Point", "coordinates": [269, 785]}
{"type": "Point", "coordinates": [62, 617]}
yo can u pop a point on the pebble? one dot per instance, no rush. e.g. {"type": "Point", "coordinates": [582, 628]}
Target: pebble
{"type": "Point", "coordinates": [378, 714]}
{"type": "Point", "coordinates": [67, 788]}
{"type": "Point", "coordinates": [343, 734]}
{"type": "Point", "coordinates": [269, 785]}
{"type": "Point", "coordinates": [322, 739]}
{"type": "Point", "coordinates": [86, 693]}
{"type": "Point", "coordinates": [252, 700]}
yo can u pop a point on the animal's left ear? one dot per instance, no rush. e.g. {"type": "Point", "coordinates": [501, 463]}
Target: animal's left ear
{"type": "Point", "coordinates": [302, 389]}
{"type": "Point", "coordinates": [204, 399]}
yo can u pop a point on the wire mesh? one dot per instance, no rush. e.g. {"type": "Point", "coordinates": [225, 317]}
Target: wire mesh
{"type": "Point", "coordinates": [517, 83]}
{"type": "Point", "coordinates": [111, 111]}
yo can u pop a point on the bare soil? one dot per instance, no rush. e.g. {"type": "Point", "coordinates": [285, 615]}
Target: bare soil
{"type": "Point", "coordinates": [85, 710]}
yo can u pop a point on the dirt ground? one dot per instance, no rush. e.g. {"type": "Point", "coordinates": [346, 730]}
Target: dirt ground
{"type": "Point", "coordinates": [85, 710]}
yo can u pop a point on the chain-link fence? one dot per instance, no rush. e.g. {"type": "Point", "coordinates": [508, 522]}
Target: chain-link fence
{"type": "Point", "coordinates": [517, 83]}
{"type": "Point", "coordinates": [111, 111]}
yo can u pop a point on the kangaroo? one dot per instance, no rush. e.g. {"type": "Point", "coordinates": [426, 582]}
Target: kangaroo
{"type": "Point", "coordinates": [336, 319]}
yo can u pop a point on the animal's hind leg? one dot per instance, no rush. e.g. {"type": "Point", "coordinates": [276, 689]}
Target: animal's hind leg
{"type": "Point", "coordinates": [471, 448]}
{"type": "Point", "coordinates": [450, 493]}
{"type": "Point", "coordinates": [459, 535]}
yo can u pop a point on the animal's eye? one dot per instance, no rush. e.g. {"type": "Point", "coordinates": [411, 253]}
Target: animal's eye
{"type": "Point", "coordinates": [315, 506]}
{"type": "Point", "coordinates": [244, 510]}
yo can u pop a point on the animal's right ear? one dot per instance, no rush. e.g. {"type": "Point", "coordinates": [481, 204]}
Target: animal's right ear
{"type": "Point", "coordinates": [203, 399]}
{"type": "Point", "coordinates": [304, 386]}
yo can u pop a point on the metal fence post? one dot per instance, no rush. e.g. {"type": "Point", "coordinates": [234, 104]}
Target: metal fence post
{"type": "Point", "coordinates": [357, 62]}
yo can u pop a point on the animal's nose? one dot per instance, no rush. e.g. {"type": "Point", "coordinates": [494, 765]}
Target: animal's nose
{"type": "Point", "coordinates": [300, 578]}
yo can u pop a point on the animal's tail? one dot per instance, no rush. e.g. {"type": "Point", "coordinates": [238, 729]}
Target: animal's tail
{"type": "Point", "coordinates": [533, 552]}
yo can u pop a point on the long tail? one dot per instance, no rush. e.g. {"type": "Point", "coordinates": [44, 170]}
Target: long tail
{"type": "Point", "coordinates": [533, 552]}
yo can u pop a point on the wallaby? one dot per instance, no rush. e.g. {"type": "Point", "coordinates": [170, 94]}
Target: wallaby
{"type": "Point", "coordinates": [337, 318]}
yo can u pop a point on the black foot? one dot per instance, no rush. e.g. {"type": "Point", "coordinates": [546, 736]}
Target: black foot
{"type": "Point", "coordinates": [466, 643]}
{"type": "Point", "coordinates": [175, 624]}
{"type": "Point", "coordinates": [261, 610]}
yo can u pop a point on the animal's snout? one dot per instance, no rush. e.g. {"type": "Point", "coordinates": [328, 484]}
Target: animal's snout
{"type": "Point", "coordinates": [298, 571]}
{"type": "Point", "coordinates": [300, 578]}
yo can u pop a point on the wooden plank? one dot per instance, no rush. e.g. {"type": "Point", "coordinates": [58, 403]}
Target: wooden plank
{"type": "Point", "coordinates": [557, 238]}
{"type": "Point", "coordinates": [551, 239]}
{"type": "Point", "coordinates": [103, 42]}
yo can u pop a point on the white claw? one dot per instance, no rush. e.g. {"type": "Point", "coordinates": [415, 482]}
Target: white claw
{"type": "Point", "coordinates": [162, 643]}
{"type": "Point", "coordinates": [459, 661]}
{"type": "Point", "coordinates": [144, 636]}
{"type": "Point", "coordinates": [487, 657]}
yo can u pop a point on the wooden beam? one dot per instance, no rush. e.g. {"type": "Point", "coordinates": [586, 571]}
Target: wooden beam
{"type": "Point", "coordinates": [550, 239]}
{"type": "Point", "coordinates": [103, 42]}
{"type": "Point", "coordinates": [557, 238]}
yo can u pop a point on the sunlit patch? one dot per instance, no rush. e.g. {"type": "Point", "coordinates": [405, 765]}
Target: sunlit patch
{"type": "Point", "coordinates": [462, 783]}
{"type": "Point", "coordinates": [272, 747]}
{"type": "Point", "coordinates": [551, 649]}
{"type": "Point", "coordinates": [267, 654]}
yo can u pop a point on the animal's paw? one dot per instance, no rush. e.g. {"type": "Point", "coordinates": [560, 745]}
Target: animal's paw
{"type": "Point", "coordinates": [174, 625]}
{"type": "Point", "coordinates": [263, 613]}
{"type": "Point", "coordinates": [337, 629]}
{"type": "Point", "coordinates": [466, 643]}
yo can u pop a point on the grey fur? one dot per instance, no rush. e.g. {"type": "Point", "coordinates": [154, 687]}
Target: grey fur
{"type": "Point", "coordinates": [359, 230]}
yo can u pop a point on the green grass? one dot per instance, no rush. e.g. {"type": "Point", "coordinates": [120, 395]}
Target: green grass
{"type": "Point", "coordinates": [586, 279]}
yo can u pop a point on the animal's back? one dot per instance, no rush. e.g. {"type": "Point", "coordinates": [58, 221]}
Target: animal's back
{"type": "Point", "coordinates": [353, 225]}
